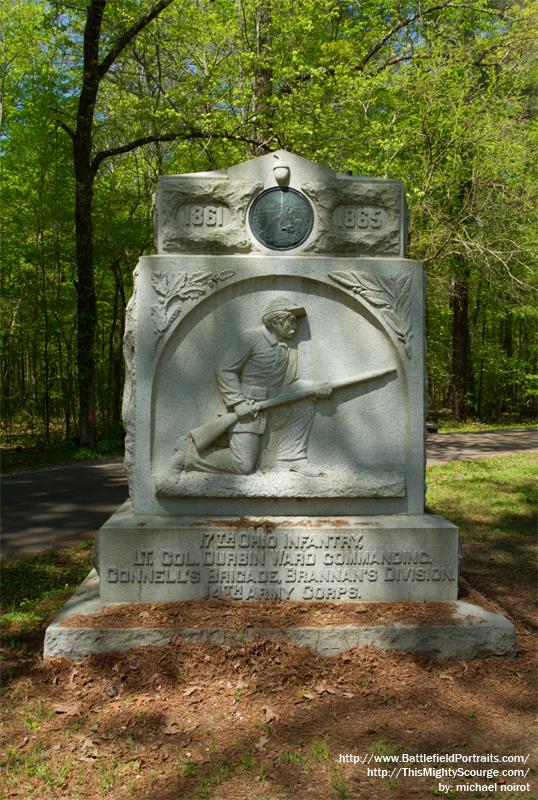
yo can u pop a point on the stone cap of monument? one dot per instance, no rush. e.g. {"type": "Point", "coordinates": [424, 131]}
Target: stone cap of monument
{"type": "Point", "coordinates": [222, 212]}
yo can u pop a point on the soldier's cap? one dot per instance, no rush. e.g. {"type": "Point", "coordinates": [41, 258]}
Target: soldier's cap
{"type": "Point", "coordinates": [282, 305]}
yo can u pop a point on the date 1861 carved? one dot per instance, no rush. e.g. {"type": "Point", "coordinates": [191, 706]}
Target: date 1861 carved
{"type": "Point", "coordinates": [281, 218]}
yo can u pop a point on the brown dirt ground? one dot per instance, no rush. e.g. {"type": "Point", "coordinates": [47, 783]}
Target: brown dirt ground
{"type": "Point", "coordinates": [257, 721]}
{"type": "Point", "coordinates": [227, 613]}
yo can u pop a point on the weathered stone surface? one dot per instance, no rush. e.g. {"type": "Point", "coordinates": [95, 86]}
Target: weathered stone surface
{"type": "Point", "coordinates": [274, 410]}
{"type": "Point", "coordinates": [359, 217]}
{"type": "Point", "coordinates": [361, 316]}
{"type": "Point", "coordinates": [273, 483]}
{"type": "Point", "coordinates": [206, 212]}
{"type": "Point", "coordinates": [129, 389]}
{"type": "Point", "coordinates": [474, 633]}
{"type": "Point", "coordinates": [222, 203]}
{"type": "Point", "coordinates": [398, 557]}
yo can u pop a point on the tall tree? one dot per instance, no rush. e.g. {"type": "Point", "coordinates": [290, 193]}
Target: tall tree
{"type": "Point", "coordinates": [86, 165]}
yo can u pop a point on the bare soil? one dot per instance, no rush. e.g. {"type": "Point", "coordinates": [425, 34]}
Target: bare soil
{"type": "Point", "coordinates": [258, 721]}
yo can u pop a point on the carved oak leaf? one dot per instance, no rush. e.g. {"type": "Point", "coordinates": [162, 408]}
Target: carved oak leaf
{"type": "Point", "coordinates": [174, 290]}
{"type": "Point", "coordinates": [389, 295]}
{"type": "Point", "coordinates": [159, 318]}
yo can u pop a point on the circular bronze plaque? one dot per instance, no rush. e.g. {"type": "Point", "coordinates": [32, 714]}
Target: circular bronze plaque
{"type": "Point", "coordinates": [281, 218]}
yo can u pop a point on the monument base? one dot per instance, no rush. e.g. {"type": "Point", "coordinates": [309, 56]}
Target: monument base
{"type": "Point", "coordinates": [397, 557]}
{"type": "Point", "coordinates": [465, 631]}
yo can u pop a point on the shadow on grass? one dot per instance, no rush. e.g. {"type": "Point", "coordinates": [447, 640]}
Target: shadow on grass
{"type": "Point", "coordinates": [33, 591]}
{"type": "Point", "coordinates": [498, 546]}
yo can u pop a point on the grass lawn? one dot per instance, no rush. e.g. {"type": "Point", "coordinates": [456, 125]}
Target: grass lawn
{"type": "Point", "coordinates": [53, 453]}
{"type": "Point", "coordinates": [266, 720]}
{"type": "Point", "coordinates": [34, 589]}
{"type": "Point", "coordinates": [493, 502]}
{"type": "Point", "coordinates": [474, 426]}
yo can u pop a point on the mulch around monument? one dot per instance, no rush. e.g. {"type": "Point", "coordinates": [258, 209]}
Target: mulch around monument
{"type": "Point", "coordinates": [260, 720]}
{"type": "Point", "coordinates": [226, 613]}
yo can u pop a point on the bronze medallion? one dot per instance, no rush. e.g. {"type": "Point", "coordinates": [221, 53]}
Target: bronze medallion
{"type": "Point", "coordinates": [281, 218]}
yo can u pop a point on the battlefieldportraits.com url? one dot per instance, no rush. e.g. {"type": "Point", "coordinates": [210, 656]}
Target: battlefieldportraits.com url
{"type": "Point", "coordinates": [458, 773]}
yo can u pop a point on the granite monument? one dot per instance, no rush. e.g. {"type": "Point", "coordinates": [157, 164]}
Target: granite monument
{"type": "Point", "coordinates": [274, 402]}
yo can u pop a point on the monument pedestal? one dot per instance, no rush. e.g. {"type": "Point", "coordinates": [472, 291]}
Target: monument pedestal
{"type": "Point", "coordinates": [464, 631]}
{"type": "Point", "coordinates": [400, 557]}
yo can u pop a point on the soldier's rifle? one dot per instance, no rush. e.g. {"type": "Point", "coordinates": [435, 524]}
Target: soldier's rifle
{"type": "Point", "coordinates": [204, 435]}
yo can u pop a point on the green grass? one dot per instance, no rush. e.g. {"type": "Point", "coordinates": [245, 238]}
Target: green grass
{"type": "Point", "coordinates": [293, 757]}
{"type": "Point", "coordinates": [215, 774]}
{"type": "Point", "coordinates": [383, 748]}
{"type": "Point", "coordinates": [474, 426]}
{"type": "Point", "coordinates": [500, 490]}
{"type": "Point", "coordinates": [320, 749]}
{"type": "Point", "coordinates": [53, 454]}
{"type": "Point", "coordinates": [34, 588]}
{"type": "Point", "coordinates": [26, 452]}
{"type": "Point", "coordinates": [35, 763]}
{"type": "Point", "coordinates": [493, 501]}
{"type": "Point", "coordinates": [341, 787]}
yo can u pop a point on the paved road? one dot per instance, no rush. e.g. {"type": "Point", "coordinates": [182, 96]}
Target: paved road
{"type": "Point", "coordinates": [466, 446]}
{"type": "Point", "coordinates": [49, 507]}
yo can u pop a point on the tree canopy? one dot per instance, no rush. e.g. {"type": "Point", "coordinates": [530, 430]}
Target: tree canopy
{"type": "Point", "coordinates": [98, 99]}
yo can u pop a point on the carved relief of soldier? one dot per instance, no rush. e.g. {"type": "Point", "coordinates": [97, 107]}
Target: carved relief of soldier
{"type": "Point", "coordinates": [261, 369]}
{"type": "Point", "coordinates": [267, 403]}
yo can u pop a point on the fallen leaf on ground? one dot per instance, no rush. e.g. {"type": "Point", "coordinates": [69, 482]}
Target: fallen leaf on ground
{"type": "Point", "coordinates": [69, 709]}
{"type": "Point", "coordinates": [322, 687]}
{"type": "Point", "coordinates": [171, 729]}
{"type": "Point", "coordinates": [260, 744]}
{"type": "Point", "coordinates": [269, 715]}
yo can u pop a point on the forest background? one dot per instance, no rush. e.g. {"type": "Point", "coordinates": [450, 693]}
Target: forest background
{"type": "Point", "coordinates": [98, 99]}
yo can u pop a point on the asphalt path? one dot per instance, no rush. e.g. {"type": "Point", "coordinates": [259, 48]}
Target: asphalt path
{"type": "Point", "coordinates": [51, 507]}
{"type": "Point", "coordinates": [442, 447]}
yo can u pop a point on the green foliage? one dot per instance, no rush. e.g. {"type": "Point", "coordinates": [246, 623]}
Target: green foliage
{"type": "Point", "coordinates": [34, 763]}
{"type": "Point", "coordinates": [293, 757]}
{"type": "Point", "coordinates": [28, 452]}
{"type": "Point", "coordinates": [383, 748]}
{"type": "Point", "coordinates": [320, 749]}
{"type": "Point", "coordinates": [441, 96]}
{"type": "Point", "coordinates": [342, 787]}
{"type": "Point", "coordinates": [472, 426]}
{"type": "Point", "coordinates": [247, 763]}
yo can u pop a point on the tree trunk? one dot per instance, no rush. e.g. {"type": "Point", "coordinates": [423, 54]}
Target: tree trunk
{"type": "Point", "coordinates": [86, 314]}
{"type": "Point", "coordinates": [84, 178]}
{"type": "Point", "coordinates": [263, 77]}
{"type": "Point", "coordinates": [461, 367]}
{"type": "Point", "coordinates": [85, 172]}
{"type": "Point", "coordinates": [46, 344]}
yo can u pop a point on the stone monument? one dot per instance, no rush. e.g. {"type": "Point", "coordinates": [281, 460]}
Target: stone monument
{"type": "Point", "coordinates": [275, 397]}
{"type": "Point", "coordinates": [275, 373]}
